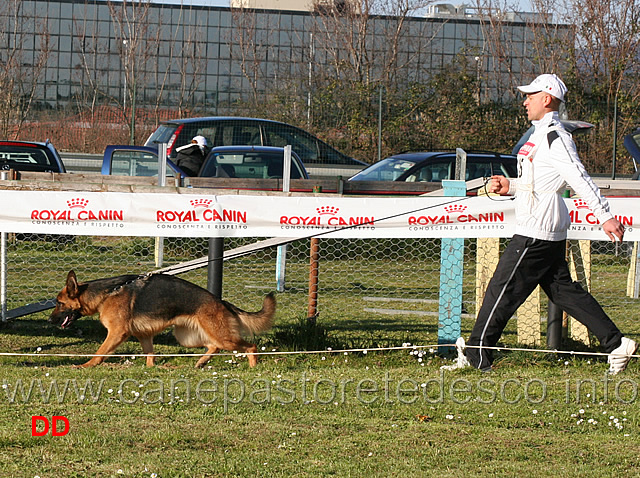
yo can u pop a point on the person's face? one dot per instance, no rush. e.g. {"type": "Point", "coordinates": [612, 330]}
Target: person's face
{"type": "Point", "coordinates": [536, 105]}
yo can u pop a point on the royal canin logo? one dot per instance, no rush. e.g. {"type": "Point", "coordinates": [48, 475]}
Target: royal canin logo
{"type": "Point", "coordinates": [202, 211]}
{"type": "Point", "coordinates": [580, 204]}
{"type": "Point", "coordinates": [580, 214]}
{"type": "Point", "coordinates": [77, 203]}
{"type": "Point", "coordinates": [77, 210]}
{"type": "Point", "coordinates": [455, 208]}
{"type": "Point", "coordinates": [196, 203]}
{"type": "Point", "coordinates": [327, 216]}
{"type": "Point", "coordinates": [330, 210]}
{"type": "Point", "coordinates": [456, 213]}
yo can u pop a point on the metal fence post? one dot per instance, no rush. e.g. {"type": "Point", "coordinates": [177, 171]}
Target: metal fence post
{"type": "Point", "coordinates": [636, 278]}
{"type": "Point", "coordinates": [162, 181]}
{"type": "Point", "coordinates": [215, 266]}
{"type": "Point", "coordinates": [314, 264]}
{"type": "Point", "coordinates": [3, 263]}
{"type": "Point", "coordinates": [3, 274]}
{"type": "Point", "coordinates": [555, 320]}
{"type": "Point", "coordinates": [281, 259]}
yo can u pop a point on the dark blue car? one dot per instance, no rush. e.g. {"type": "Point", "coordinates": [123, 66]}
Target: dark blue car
{"type": "Point", "coordinates": [249, 162]}
{"type": "Point", "coordinates": [434, 166]}
{"type": "Point", "coordinates": [30, 156]}
{"type": "Point", "coordinates": [632, 143]}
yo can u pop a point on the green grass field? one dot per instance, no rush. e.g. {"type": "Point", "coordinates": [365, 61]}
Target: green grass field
{"type": "Point", "coordinates": [327, 414]}
{"type": "Point", "coordinates": [374, 413]}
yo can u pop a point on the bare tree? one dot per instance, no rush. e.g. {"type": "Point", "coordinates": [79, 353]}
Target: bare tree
{"type": "Point", "coordinates": [163, 65]}
{"type": "Point", "coordinates": [608, 47]}
{"type": "Point", "coordinates": [91, 78]}
{"type": "Point", "coordinates": [190, 59]}
{"type": "Point", "coordinates": [508, 58]}
{"type": "Point", "coordinates": [132, 29]}
{"type": "Point", "coordinates": [607, 69]}
{"type": "Point", "coordinates": [593, 44]}
{"type": "Point", "coordinates": [21, 66]}
{"type": "Point", "coordinates": [250, 48]}
{"type": "Point", "coordinates": [87, 47]}
{"type": "Point", "coordinates": [366, 51]}
{"type": "Point", "coordinates": [277, 77]}
{"type": "Point", "coordinates": [139, 37]}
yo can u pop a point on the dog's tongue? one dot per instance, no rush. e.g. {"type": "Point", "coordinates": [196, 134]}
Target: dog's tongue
{"type": "Point", "coordinates": [66, 322]}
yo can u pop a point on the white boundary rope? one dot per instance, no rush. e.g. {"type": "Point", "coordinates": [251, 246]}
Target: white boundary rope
{"type": "Point", "coordinates": [311, 352]}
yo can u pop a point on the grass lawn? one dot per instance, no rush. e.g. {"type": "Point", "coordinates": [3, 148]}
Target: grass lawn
{"type": "Point", "coordinates": [379, 413]}
{"type": "Point", "coordinates": [326, 414]}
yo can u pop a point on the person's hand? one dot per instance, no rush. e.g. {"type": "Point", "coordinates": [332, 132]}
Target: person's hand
{"type": "Point", "coordinates": [613, 229]}
{"type": "Point", "coordinates": [499, 185]}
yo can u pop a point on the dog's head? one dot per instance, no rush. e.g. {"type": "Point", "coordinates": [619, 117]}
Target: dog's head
{"type": "Point", "coordinates": [68, 305]}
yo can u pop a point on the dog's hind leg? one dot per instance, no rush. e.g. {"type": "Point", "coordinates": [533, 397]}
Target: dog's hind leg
{"type": "Point", "coordinates": [147, 348]}
{"type": "Point", "coordinates": [250, 350]}
{"type": "Point", "coordinates": [114, 338]}
{"type": "Point", "coordinates": [211, 349]}
{"type": "Point", "coordinates": [242, 346]}
{"type": "Point", "coordinates": [225, 340]}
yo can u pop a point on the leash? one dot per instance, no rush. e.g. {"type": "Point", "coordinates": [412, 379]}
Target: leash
{"type": "Point", "coordinates": [140, 277]}
{"type": "Point", "coordinates": [486, 180]}
{"type": "Point", "coordinates": [431, 348]}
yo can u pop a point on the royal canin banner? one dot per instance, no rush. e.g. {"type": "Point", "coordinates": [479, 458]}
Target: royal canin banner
{"type": "Point", "coordinates": [202, 215]}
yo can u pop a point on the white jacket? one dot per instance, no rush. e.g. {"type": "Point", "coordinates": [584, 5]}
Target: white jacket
{"type": "Point", "coordinates": [547, 163]}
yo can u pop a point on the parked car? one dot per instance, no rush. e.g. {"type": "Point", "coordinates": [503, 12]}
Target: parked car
{"type": "Point", "coordinates": [30, 156]}
{"type": "Point", "coordinates": [37, 157]}
{"type": "Point", "coordinates": [320, 159]}
{"type": "Point", "coordinates": [632, 144]}
{"type": "Point", "coordinates": [435, 166]}
{"type": "Point", "coordinates": [259, 162]}
{"type": "Point", "coordinates": [223, 161]}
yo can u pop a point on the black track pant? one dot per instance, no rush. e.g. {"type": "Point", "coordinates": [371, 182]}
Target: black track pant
{"type": "Point", "coordinates": [525, 263]}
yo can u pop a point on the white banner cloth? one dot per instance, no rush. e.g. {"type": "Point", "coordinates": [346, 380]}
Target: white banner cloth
{"type": "Point", "coordinates": [202, 215]}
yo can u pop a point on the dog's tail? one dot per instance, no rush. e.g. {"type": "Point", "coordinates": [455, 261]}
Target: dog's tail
{"type": "Point", "coordinates": [257, 322]}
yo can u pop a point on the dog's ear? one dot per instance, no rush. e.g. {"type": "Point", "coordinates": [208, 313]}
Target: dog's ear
{"type": "Point", "coordinates": [72, 285]}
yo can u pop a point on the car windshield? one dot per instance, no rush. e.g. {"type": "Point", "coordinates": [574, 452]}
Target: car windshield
{"type": "Point", "coordinates": [388, 169]}
{"type": "Point", "coordinates": [256, 165]}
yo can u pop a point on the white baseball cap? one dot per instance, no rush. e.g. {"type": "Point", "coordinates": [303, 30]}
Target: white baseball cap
{"type": "Point", "coordinates": [548, 83]}
{"type": "Point", "coordinates": [200, 141]}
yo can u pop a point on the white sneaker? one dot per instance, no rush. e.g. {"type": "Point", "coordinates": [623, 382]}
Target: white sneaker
{"type": "Point", "coordinates": [461, 360]}
{"type": "Point", "coordinates": [619, 358]}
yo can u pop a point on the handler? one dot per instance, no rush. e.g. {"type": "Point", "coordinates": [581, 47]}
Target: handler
{"type": "Point", "coordinates": [547, 162]}
{"type": "Point", "coordinates": [192, 155]}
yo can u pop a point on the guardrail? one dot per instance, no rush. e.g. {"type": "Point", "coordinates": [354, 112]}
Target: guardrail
{"type": "Point", "coordinates": [93, 182]}
{"type": "Point", "coordinates": [84, 167]}
{"type": "Point", "coordinates": [98, 182]}
{"type": "Point", "coordinates": [82, 162]}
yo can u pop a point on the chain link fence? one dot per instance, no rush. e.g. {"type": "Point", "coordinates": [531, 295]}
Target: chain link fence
{"type": "Point", "coordinates": [364, 286]}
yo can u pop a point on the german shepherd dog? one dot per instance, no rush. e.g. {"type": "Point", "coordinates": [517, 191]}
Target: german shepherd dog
{"type": "Point", "coordinates": [145, 305]}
